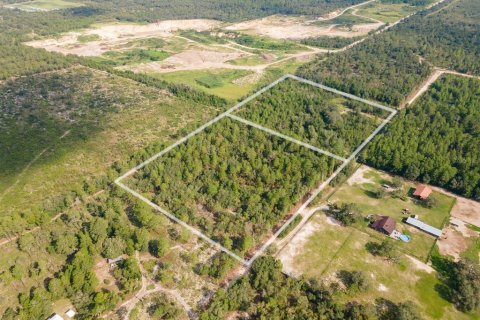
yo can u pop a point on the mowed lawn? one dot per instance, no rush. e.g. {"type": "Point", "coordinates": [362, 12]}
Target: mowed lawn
{"type": "Point", "coordinates": [360, 190]}
{"type": "Point", "coordinates": [333, 248]}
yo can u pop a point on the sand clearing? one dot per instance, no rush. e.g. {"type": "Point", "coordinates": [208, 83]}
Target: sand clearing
{"type": "Point", "coordinates": [289, 252]}
{"type": "Point", "coordinates": [358, 177]}
{"type": "Point", "coordinates": [282, 27]}
{"type": "Point", "coordinates": [467, 210]}
{"type": "Point", "coordinates": [115, 34]}
{"type": "Point", "coordinates": [452, 243]}
{"type": "Point", "coordinates": [192, 60]}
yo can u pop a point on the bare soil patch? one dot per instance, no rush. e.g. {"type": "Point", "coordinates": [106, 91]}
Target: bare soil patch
{"type": "Point", "coordinates": [193, 59]}
{"type": "Point", "coordinates": [452, 243]}
{"type": "Point", "coordinates": [291, 250]}
{"type": "Point", "coordinates": [419, 265]}
{"type": "Point", "coordinates": [358, 177]}
{"type": "Point", "coordinates": [115, 34]}
{"type": "Point", "coordinates": [467, 210]}
{"type": "Point", "coordinates": [282, 27]}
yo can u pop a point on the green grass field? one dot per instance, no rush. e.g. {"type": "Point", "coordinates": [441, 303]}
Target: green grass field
{"type": "Point", "coordinates": [214, 81]}
{"type": "Point", "coordinates": [333, 248]}
{"type": "Point", "coordinates": [44, 5]}
{"type": "Point", "coordinates": [88, 38]}
{"type": "Point", "coordinates": [362, 195]}
{"type": "Point", "coordinates": [386, 12]}
{"type": "Point", "coordinates": [345, 20]}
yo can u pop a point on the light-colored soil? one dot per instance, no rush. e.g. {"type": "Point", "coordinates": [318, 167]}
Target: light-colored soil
{"type": "Point", "coordinates": [192, 60]}
{"type": "Point", "coordinates": [419, 265]}
{"type": "Point", "coordinates": [281, 27]}
{"type": "Point", "coordinates": [452, 243]}
{"type": "Point", "coordinates": [339, 12]}
{"type": "Point", "coordinates": [381, 287]}
{"type": "Point", "coordinates": [248, 79]}
{"type": "Point", "coordinates": [358, 176]}
{"type": "Point", "coordinates": [293, 248]}
{"type": "Point", "coordinates": [461, 227]}
{"type": "Point", "coordinates": [102, 271]}
{"type": "Point", "coordinates": [116, 34]}
{"type": "Point", "coordinates": [467, 210]}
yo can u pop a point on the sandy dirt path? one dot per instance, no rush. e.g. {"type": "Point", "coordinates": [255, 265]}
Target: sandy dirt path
{"type": "Point", "coordinates": [338, 13]}
{"type": "Point", "coordinates": [130, 304]}
{"type": "Point", "coordinates": [423, 87]}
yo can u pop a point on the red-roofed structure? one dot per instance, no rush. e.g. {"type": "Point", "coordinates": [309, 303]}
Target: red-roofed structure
{"type": "Point", "coordinates": [422, 192]}
{"type": "Point", "coordinates": [384, 224]}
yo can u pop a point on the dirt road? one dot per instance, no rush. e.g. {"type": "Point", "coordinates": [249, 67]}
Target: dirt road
{"type": "Point", "coordinates": [423, 87]}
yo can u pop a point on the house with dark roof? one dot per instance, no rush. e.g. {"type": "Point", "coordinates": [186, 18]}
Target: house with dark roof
{"type": "Point", "coordinates": [384, 224]}
{"type": "Point", "coordinates": [422, 192]}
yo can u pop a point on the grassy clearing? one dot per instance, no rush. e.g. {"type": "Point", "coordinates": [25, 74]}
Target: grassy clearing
{"type": "Point", "coordinates": [386, 12]}
{"type": "Point", "coordinates": [345, 20]}
{"type": "Point", "coordinates": [332, 248]}
{"type": "Point", "coordinates": [215, 81]}
{"type": "Point", "coordinates": [133, 56]}
{"type": "Point", "coordinates": [249, 61]}
{"type": "Point", "coordinates": [136, 117]}
{"type": "Point", "coordinates": [88, 38]}
{"type": "Point", "coordinates": [362, 194]}
{"type": "Point", "coordinates": [44, 5]}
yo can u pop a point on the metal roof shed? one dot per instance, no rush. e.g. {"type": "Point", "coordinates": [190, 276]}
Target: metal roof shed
{"type": "Point", "coordinates": [424, 227]}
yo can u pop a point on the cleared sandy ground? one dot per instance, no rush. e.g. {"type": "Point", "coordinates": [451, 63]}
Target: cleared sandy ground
{"type": "Point", "coordinates": [192, 59]}
{"type": "Point", "coordinates": [115, 34]}
{"type": "Point", "coordinates": [282, 27]}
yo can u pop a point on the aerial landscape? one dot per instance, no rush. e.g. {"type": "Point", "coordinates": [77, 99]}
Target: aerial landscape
{"type": "Point", "coordinates": [240, 159]}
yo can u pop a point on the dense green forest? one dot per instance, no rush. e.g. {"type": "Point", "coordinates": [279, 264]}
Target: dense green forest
{"type": "Point", "coordinates": [436, 140]}
{"type": "Point", "coordinates": [448, 38]}
{"type": "Point", "coordinates": [233, 181]}
{"type": "Point", "coordinates": [384, 68]}
{"type": "Point", "coordinates": [316, 116]}
{"type": "Point", "coordinates": [226, 10]}
{"type": "Point", "coordinates": [387, 67]}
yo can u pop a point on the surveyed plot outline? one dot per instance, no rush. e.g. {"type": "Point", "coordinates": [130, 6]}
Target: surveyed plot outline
{"type": "Point", "coordinates": [229, 114]}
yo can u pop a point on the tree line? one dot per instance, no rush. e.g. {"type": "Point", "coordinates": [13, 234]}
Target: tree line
{"type": "Point", "coordinates": [436, 140]}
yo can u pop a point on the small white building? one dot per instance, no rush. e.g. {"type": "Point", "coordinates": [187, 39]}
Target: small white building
{"type": "Point", "coordinates": [70, 313]}
{"type": "Point", "coordinates": [56, 317]}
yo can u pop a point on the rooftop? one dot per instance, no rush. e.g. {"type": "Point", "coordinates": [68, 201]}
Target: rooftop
{"type": "Point", "coordinates": [424, 227]}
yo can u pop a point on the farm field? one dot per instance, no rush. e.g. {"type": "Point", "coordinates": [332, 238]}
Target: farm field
{"type": "Point", "coordinates": [323, 249]}
{"type": "Point", "coordinates": [361, 190]}
{"type": "Point", "coordinates": [77, 130]}
{"type": "Point", "coordinates": [44, 5]}
{"type": "Point", "coordinates": [313, 115]}
{"type": "Point", "coordinates": [233, 182]}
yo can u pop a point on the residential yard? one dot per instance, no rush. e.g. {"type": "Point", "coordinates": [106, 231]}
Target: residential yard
{"type": "Point", "coordinates": [329, 248]}
{"type": "Point", "coordinates": [361, 188]}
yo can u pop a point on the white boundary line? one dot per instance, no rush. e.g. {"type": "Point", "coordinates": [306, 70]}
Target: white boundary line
{"type": "Point", "coordinates": [229, 114]}
{"type": "Point", "coordinates": [285, 137]}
